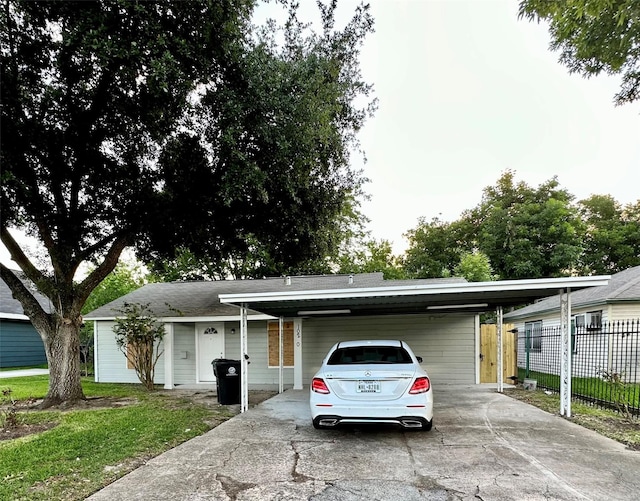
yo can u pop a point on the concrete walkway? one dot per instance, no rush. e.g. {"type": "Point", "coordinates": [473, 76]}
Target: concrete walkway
{"type": "Point", "coordinates": [23, 372]}
{"type": "Point", "coordinates": [484, 445]}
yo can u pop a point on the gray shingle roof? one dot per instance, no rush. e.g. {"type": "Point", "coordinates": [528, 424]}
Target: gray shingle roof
{"type": "Point", "coordinates": [11, 306]}
{"type": "Point", "coordinates": [623, 286]}
{"type": "Point", "coordinates": [198, 299]}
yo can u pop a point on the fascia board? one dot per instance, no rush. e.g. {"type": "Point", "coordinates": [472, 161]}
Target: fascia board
{"type": "Point", "coordinates": [13, 316]}
{"type": "Point", "coordinates": [226, 318]}
{"type": "Point", "coordinates": [412, 290]}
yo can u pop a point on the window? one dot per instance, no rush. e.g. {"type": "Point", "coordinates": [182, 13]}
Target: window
{"type": "Point", "coordinates": [533, 336]}
{"type": "Point", "coordinates": [591, 320]}
{"type": "Point", "coordinates": [274, 346]}
{"type": "Point", "coordinates": [370, 355]}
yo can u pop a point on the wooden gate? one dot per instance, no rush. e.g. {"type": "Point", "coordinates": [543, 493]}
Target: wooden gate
{"type": "Point", "coordinates": [489, 354]}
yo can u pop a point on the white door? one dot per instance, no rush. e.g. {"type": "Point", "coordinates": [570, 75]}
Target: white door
{"type": "Point", "coordinates": [210, 347]}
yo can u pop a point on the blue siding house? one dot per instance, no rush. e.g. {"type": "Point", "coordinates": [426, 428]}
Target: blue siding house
{"type": "Point", "coordinates": [20, 343]}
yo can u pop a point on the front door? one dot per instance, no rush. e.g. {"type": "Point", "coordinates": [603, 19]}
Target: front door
{"type": "Point", "coordinates": [210, 347]}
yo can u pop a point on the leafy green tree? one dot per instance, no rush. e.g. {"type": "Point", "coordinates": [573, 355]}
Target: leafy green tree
{"type": "Point", "coordinates": [475, 267]}
{"type": "Point", "coordinates": [612, 240]}
{"type": "Point", "coordinates": [167, 124]}
{"type": "Point", "coordinates": [526, 232]}
{"type": "Point", "coordinates": [594, 36]}
{"type": "Point", "coordinates": [372, 256]}
{"type": "Point", "coordinates": [434, 249]}
{"type": "Point", "coordinates": [346, 234]}
{"type": "Point", "coordinates": [138, 336]}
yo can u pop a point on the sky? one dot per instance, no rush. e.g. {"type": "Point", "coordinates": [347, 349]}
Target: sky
{"type": "Point", "coordinates": [466, 91]}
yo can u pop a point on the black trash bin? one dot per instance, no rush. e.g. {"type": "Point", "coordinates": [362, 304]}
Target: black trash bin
{"type": "Point", "coordinates": [227, 373]}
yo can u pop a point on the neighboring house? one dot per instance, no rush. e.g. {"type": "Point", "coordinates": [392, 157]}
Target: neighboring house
{"type": "Point", "coordinates": [439, 318]}
{"type": "Point", "coordinates": [20, 343]}
{"type": "Point", "coordinates": [604, 328]}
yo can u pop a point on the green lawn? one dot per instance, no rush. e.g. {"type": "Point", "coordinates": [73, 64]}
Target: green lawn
{"type": "Point", "coordinates": [90, 448]}
{"type": "Point", "coordinates": [590, 389]}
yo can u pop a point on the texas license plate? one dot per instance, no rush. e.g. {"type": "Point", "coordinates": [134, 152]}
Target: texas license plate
{"type": "Point", "coordinates": [368, 387]}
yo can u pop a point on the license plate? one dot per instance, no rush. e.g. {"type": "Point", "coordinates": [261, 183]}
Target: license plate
{"type": "Point", "coordinates": [368, 387]}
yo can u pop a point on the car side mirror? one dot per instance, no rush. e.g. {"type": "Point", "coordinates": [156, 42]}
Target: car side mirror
{"type": "Point", "coordinates": [419, 359]}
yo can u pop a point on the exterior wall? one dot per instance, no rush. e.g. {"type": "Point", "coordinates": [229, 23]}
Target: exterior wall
{"type": "Point", "coordinates": [184, 353]}
{"type": "Point", "coordinates": [20, 345]}
{"type": "Point", "coordinates": [446, 344]}
{"type": "Point", "coordinates": [261, 376]}
{"type": "Point", "coordinates": [624, 311]}
{"type": "Point", "coordinates": [112, 362]}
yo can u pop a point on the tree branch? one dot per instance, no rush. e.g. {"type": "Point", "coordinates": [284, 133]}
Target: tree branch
{"type": "Point", "coordinates": [100, 273]}
{"type": "Point", "coordinates": [20, 257]}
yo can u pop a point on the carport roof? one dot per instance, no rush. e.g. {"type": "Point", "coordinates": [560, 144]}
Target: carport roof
{"type": "Point", "coordinates": [444, 297]}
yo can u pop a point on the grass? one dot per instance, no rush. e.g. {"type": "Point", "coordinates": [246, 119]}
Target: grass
{"type": "Point", "coordinates": [90, 448]}
{"type": "Point", "coordinates": [606, 422]}
{"type": "Point", "coordinates": [591, 388]}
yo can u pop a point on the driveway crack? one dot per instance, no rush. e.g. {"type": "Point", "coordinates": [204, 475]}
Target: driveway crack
{"type": "Point", "coordinates": [295, 474]}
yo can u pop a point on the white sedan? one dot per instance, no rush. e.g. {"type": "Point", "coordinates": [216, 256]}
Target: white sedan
{"type": "Point", "coordinates": [371, 382]}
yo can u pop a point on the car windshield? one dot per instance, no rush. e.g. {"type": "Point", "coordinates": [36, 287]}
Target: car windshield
{"type": "Point", "coordinates": [369, 355]}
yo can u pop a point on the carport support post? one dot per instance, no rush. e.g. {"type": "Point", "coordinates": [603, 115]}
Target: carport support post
{"type": "Point", "coordinates": [244, 374]}
{"type": "Point", "coordinates": [499, 354]}
{"type": "Point", "coordinates": [565, 367]}
{"type": "Point", "coordinates": [167, 342]}
{"type": "Point", "coordinates": [297, 354]}
{"type": "Point", "coordinates": [280, 355]}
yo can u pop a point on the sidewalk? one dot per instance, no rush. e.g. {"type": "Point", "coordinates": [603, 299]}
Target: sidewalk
{"type": "Point", "coordinates": [22, 373]}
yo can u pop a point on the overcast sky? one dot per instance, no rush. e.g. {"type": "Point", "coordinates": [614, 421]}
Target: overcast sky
{"type": "Point", "coordinates": [466, 91]}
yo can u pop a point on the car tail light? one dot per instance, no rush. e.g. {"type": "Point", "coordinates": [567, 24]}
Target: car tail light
{"type": "Point", "coordinates": [420, 385]}
{"type": "Point", "coordinates": [319, 386]}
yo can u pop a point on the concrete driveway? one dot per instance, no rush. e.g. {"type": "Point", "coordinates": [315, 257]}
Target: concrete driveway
{"type": "Point", "coordinates": [483, 445]}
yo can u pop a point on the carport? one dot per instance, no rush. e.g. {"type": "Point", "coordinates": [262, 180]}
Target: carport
{"type": "Point", "coordinates": [446, 298]}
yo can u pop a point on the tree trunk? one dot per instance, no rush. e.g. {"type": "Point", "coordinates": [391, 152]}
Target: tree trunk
{"type": "Point", "coordinates": [63, 354]}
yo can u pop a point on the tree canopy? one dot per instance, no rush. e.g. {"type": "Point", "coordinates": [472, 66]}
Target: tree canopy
{"type": "Point", "coordinates": [594, 36]}
{"type": "Point", "coordinates": [612, 237]}
{"type": "Point", "coordinates": [434, 249]}
{"type": "Point", "coordinates": [526, 232]}
{"type": "Point", "coordinates": [166, 124]}
{"type": "Point", "coordinates": [519, 231]}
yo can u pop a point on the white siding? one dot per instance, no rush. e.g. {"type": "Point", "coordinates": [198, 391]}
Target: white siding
{"type": "Point", "coordinates": [625, 311]}
{"type": "Point", "coordinates": [446, 344]}
{"type": "Point", "coordinates": [113, 363]}
{"type": "Point", "coordinates": [595, 350]}
{"type": "Point", "coordinates": [260, 375]}
{"type": "Point", "coordinates": [184, 343]}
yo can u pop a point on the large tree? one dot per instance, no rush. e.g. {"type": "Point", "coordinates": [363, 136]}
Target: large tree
{"type": "Point", "coordinates": [594, 36]}
{"type": "Point", "coordinates": [434, 249]}
{"type": "Point", "coordinates": [160, 124]}
{"type": "Point", "coordinates": [370, 256]}
{"type": "Point", "coordinates": [612, 239]}
{"type": "Point", "coordinates": [526, 232]}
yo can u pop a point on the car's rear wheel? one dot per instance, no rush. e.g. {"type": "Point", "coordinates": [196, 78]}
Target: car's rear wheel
{"type": "Point", "coordinates": [427, 426]}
